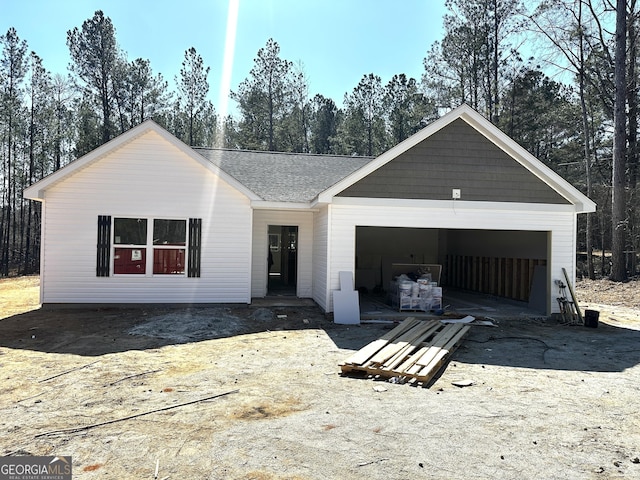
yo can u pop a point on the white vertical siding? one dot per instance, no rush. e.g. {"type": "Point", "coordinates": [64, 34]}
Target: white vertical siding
{"type": "Point", "coordinates": [320, 257]}
{"type": "Point", "coordinates": [344, 219]}
{"type": "Point", "coordinates": [562, 255]}
{"type": "Point", "coordinates": [43, 258]}
{"type": "Point", "coordinates": [150, 178]}
{"type": "Point", "coordinates": [261, 221]}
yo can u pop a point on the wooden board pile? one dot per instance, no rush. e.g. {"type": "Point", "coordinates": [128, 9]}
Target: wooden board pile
{"type": "Point", "coordinates": [412, 352]}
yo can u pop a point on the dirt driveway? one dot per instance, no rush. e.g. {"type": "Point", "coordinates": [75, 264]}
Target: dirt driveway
{"type": "Point", "coordinates": [547, 401]}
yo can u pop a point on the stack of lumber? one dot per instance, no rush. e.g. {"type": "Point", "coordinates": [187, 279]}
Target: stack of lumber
{"type": "Point", "coordinates": [414, 351]}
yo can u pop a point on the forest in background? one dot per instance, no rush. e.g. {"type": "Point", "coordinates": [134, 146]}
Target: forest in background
{"type": "Point", "coordinates": [560, 77]}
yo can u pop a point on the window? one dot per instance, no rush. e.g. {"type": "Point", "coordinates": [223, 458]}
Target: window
{"type": "Point", "coordinates": [167, 235]}
{"type": "Point", "coordinates": [130, 231]}
{"type": "Point", "coordinates": [142, 246]}
{"type": "Point", "coordinates": [132, 258]}
{"type": "Point", "coordinates": [169, 232]}
{"type": "Point", "coordinates": [274, 242]}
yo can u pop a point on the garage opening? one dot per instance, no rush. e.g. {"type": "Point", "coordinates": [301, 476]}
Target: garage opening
{"type": "Point", "coordinates": [283, 260]}
{"type": "Point", "coordinates": [508, 264]}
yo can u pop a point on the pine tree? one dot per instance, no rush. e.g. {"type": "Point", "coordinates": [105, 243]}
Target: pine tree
{"type": "Point", "coordinates": [193, 87]}
{"type": "Point", "coordinates": [13, 68]}
{"type": "Point", "coordinates": [324, 125]}
{"type": "Point", "coordinates": [41, 117]}
{"type": "Point", "coordinates": [618, 180]}
{"type": "Point", "coordinates": [94, 53]}
{"type": "Point", "coordinates": [363, 129]}
{"type": "Point", "coordinates": [264, 100]}
{"type": "Point", "coordinates": [407, 109]}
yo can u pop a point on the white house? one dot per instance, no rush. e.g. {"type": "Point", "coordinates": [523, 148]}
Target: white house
{"type": "Point", "coordinates": [147, 219]}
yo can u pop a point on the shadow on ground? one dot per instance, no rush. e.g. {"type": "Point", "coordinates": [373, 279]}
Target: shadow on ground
{"type": "Point", "coordinates": [527, 343]}
{"type": "Point", "coordinates": [524, 343]}
{"type": "Point", "coordinates": [549, 345]}
{"type": "Point", "coordinates": [93, 332]}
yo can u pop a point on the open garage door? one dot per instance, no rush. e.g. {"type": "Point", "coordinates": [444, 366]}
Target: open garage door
{"type": "Point", "coordinates": [504, 263]}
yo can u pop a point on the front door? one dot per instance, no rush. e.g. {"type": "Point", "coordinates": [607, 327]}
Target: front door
{"type": "Point", "coordinates": [283, 260]}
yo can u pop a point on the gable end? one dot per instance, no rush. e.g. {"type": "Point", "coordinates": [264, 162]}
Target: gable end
{"type": "Point", "coordinates": [457, 156]}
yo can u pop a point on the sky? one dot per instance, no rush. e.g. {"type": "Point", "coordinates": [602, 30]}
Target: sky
{"type": "Point", "coordinates": [337, 42]}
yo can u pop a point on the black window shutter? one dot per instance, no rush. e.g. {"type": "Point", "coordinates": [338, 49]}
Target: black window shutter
{"type": "Point", "coordinates": [104, 246]}
{"type": "Point", "coordinates": [195, 238]}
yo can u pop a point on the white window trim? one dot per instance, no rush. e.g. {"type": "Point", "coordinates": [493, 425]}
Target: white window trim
{"type": "Point", "coordinates": [149, 247]}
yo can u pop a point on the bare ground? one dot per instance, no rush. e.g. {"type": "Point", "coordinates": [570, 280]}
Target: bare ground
{"type": "Point", "coordinates": [546, 401]}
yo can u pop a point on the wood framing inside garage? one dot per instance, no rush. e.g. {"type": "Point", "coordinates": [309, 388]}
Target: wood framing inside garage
{"type": "Point", "coordinates": [497, 262]}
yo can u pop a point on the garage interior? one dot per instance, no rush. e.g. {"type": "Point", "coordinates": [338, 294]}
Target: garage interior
{"type": "Point", "coordinates": [503, 265]}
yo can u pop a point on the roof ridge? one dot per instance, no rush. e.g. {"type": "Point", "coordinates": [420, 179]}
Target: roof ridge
{"type": "Point", "coordinates": [244, 150]}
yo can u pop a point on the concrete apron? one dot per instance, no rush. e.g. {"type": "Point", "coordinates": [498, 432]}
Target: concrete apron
{"type": "Point", "coordinates": [463, 303]}
{"type": "Point", "coordinates": [454, 301]}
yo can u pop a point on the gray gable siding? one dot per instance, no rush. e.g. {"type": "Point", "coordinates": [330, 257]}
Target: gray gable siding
{"type": "Point", "coordinates": [457, 156]}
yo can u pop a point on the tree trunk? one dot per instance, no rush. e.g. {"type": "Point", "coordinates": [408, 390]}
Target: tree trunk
{"type": "Point", "coordinates": [632, 98]}
{"type": "Point", "coordinates": [191, 109]}
{"type": "Point", "coordinates": [4, 265]}
{"type": "Point", "coordinates": [271, 145]}
{"type": "Point", "coordinates": [587, 147]}
{"type": "Point", "coordinates": [587, 170]}
{"type": "Point", "coordinates": [496, 40]}
{"type": "Point", "coordinates": [632, 158]}
{"type": "Point", "coordinates": [106, 110]}
{"type": "Point", "coordinates": [618, 207]}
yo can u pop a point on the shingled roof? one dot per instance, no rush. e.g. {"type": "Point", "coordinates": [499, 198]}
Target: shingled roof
{"type": "Point", "coordinates": [284, 177]}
